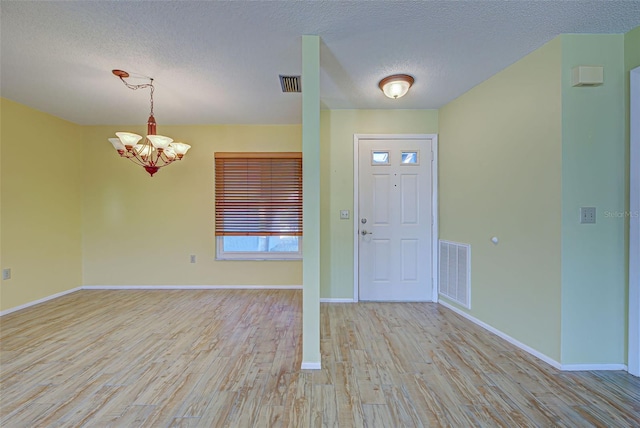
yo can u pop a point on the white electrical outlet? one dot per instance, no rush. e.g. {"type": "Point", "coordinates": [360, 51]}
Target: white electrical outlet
{"type": "Point", "coordinates": [587, 215]}
{"type": "Point", "coordinates": [6, 274]}
{"type": "Point", "coordinates": [344, 214]}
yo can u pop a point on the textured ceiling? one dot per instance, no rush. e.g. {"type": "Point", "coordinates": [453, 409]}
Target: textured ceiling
{"type": "Point", "coordinates": [218, 62]}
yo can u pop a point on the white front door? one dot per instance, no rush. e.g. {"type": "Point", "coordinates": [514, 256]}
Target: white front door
{"type": "Point", "coordinates": [395, 219]}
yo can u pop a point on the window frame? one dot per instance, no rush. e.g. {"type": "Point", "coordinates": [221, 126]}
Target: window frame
{"type": "Point", "coordinates": [221, 254]}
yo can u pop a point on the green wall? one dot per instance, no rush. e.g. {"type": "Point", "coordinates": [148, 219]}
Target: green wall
{"type": "Point", "coordinates": [532, 151]}
{"type": "Point", "coordinates": [500, 172]}
{"type": "Point", "coordinates": [593, 174]}
{"type": "Point", "coordinates": [41, 204]}
{"type": "Point", "coordinates": [337, 128]}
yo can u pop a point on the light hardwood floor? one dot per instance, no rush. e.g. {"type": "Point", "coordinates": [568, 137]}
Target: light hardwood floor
{"type": "Point", "coordinates": [231, 358]}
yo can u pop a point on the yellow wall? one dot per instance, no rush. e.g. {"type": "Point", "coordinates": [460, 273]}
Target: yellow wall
{"type": "Point", "coordinates": [115, 225]}
{"type": "Point", "coordinates": [500, 175]}
{"type": "Point", "coordinates": [41, 203]}
{"type": "Point", "coordinates": [336, 183]}
{"type": "Point", "coordinates": [141, 230]}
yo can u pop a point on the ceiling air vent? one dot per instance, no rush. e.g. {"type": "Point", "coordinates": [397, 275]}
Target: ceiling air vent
{"type": "Point", "coordinates": [290, 83]}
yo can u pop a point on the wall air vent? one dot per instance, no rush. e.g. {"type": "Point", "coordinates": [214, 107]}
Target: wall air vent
{"type": "Point", "coordinates": [454, 273]}
{"type": "Point", "coordinates": [291, 83]}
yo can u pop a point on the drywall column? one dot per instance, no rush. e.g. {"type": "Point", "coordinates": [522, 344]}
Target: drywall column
{"type": "Point", "coordinates": [632, 67]}
{"type": "Point", "coordinates": [311, 202]}
{"type": "Point", "coordinates": [633, 362]}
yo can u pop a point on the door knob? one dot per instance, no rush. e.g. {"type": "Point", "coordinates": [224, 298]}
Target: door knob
{"type": "Point", "coordinates": [365, 233]}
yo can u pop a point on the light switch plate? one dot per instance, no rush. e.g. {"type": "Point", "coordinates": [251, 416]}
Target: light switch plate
{"type": "Point", "coordinates": [6, 273]}
{"type": "Point", "coordinates": [344, 214]}
{"type": "Point", "coordinates": [587, 215]}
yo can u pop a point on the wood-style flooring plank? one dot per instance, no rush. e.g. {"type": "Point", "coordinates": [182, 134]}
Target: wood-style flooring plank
{"type": "Point", "coordinates": [231, 358]}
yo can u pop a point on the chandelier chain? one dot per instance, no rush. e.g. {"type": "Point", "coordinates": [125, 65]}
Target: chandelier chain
{"type": "Point", "coordinates": [151, 96]}
{"type": "Point", "coordinates": [142, 86]}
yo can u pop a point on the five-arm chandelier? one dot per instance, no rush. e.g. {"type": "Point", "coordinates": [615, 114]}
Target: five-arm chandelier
{"type": "Point", "coordinates": [154, 151]}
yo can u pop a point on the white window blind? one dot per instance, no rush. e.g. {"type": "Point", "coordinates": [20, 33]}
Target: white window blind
{"type": "Point", "coordinates": [258, 194]}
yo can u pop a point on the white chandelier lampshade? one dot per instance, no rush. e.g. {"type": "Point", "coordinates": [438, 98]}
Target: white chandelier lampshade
{"type": "Point", "coordinates": [128, 139]}
{"type": "Point", "coordinates": [396, 86]}
{"type": "Point", "coordinates": [153, 151]}
{"type": "Point", "coordinates": [117, 144]}
{"type": "Point", "coordinates": [170, 153]}
{"type": "Point", "coordinates": [160, 142]}
{"type": "Point", "coordinates": [143, 150]}
{"type": "Point", "coordinates": [180, 149]}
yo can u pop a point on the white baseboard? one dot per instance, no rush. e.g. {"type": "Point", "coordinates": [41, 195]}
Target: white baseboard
{"type": "Point", "coordinates": [591, 367]}
{"type": "Point", "coordinates": [153, 287]}
{"type": "Point", "coordinates": [192, 287]}
{"type": "Point", "coordinates": [334, 300]}
{"type": "Point", "coordinates": [35, 302]}
{"type": "Point", "coordinates": [504, 336]}
{"type": "Point", "coordinates": [539, 355]}
{"type": "Point", "coordinates": [311, 366]}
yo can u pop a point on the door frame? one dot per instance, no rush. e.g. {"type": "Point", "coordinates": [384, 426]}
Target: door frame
{"type": "Point", "coordinates": [434, 204]}
{"type": "Point", "coordinates": [633, 359]}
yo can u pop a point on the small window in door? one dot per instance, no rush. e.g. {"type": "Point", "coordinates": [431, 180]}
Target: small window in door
{"type": "Point", "coordinates": [379, 158]}
{"type": "Point", "coordinates": [409, 158]}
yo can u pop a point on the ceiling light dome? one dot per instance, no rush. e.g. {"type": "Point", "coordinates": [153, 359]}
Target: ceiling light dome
{"type": "Point", "coordinates": [396, 86]}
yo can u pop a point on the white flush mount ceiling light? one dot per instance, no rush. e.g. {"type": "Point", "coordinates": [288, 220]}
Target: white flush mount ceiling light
{"type": "Point", "coordinates": [396, 86]}
{"type": "Point", "coordinates": [154, 151]}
